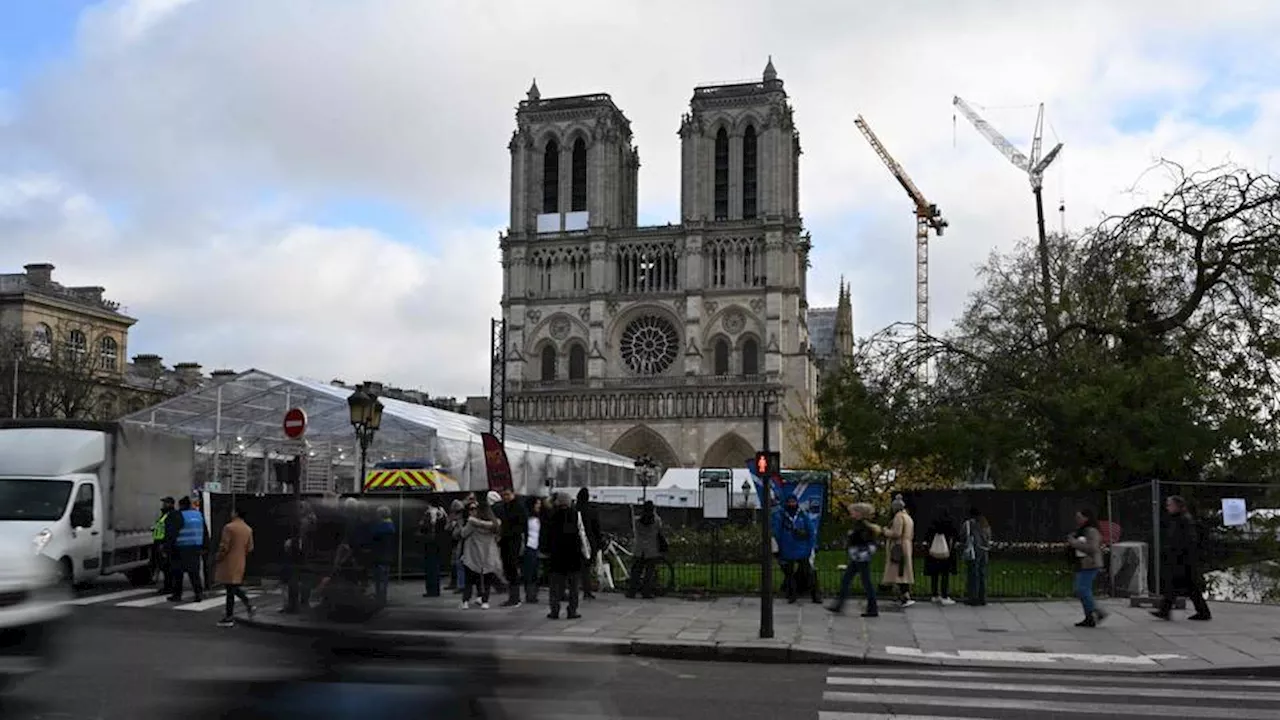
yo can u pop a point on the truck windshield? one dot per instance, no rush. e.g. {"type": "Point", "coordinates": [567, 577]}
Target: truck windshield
{"type": "Point", "coordinates": [33, 499]}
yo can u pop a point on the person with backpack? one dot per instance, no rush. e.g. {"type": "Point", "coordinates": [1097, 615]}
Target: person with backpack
{"type": "Point", "coordinates": [565, 542]}
{"type": "Point", "coordinates": [940, 564]}
{"type": "Point", "coordinates": [975, 538]}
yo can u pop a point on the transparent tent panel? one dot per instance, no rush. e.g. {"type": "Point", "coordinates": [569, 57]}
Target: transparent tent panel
{"type": "Point", "coordinates": [237, 426]}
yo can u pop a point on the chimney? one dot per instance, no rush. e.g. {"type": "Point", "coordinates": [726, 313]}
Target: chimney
{"type": "Point", "coordinates": [188, 373]}
{"type": "Point", "coordinates": [223, 374]}
{"type": "Point", "coordinates": [372, 387]}
{"type": "Point", "coordinates": [148, 362]}
{"type": "Point", "coordinates": [39, 273]}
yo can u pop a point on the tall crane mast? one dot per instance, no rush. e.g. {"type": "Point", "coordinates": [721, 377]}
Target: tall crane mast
{"type": "Point", "coordinates": [1034, 166]}
{"type": "Point", "coordinates": [928, 217]}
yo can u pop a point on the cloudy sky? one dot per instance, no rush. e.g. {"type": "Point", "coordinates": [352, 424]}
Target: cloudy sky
{"type": "Point", "coordinates": [316, 187]}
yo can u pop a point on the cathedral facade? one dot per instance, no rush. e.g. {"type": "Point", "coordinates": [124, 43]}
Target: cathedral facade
{"type": "Point", "coordinates": [665, 340]}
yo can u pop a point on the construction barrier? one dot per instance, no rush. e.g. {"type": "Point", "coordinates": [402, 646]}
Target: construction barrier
{"type": "Point", "coordinates": [401, 480]}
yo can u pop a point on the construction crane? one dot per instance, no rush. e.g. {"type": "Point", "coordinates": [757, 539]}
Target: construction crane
{"type": "Point", "coordinates": [1034, 167]}
{"type": "Point", "coordinates": [928, 217]}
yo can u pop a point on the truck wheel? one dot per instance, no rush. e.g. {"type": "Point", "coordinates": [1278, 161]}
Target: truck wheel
{"type": "Point", "coordinates": [139, 576]}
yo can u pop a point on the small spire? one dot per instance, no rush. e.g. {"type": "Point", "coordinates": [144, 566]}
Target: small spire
{"type": "Point", "coordinates": [769, 73]}
{"type": "Point", "coordinates": [534, 94]}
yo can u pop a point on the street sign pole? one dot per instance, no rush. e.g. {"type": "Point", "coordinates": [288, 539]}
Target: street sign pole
{"type": "Point", "coordinates": [295, 428]}
{"type": "Point", "coordinates": [766, 541]}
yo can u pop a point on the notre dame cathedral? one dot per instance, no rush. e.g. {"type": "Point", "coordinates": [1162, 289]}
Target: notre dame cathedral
{"type": "Point", "coordinates": [663, 340]}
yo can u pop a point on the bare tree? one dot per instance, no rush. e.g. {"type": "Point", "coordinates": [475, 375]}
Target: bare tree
{"type": "Point", "coordinates": [70, 370]}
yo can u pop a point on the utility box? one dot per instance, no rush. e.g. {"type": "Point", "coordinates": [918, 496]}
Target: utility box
{"type": "Point", "coordinates": [1130, 568]}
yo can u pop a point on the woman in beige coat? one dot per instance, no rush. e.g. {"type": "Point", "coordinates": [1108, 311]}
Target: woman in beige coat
{"type": "Point", "coordinates": [898, 568]}
{"type": "Point", "coordinates": [234, 546]}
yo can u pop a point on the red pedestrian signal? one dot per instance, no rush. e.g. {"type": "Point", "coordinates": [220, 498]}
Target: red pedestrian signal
{"type": "Point", "coordinates": [768, 463]}
{"type": "Point", "coordinates": [762, 463]}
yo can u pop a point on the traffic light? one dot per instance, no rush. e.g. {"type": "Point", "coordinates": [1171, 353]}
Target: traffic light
{"type": "Point", "coordinates": [768, 463]}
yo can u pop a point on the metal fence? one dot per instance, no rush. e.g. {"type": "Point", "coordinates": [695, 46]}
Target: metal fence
{"type": "Point", "coordinates": [1241, 561]}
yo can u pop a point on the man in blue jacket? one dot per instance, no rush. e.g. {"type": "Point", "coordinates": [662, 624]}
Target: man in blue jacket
{"type": "Point", "coordinates": [796, 537]}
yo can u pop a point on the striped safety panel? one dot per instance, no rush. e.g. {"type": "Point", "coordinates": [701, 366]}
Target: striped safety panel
{"type": "Point", "coordinates": [428, 480]}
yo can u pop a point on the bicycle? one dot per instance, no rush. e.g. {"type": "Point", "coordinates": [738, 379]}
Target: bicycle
{"type": "Point", "coordinates": [614, 570]}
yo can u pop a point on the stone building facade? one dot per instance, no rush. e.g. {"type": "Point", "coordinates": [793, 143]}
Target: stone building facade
{"type": "Point", "coordinates": [663, 340]}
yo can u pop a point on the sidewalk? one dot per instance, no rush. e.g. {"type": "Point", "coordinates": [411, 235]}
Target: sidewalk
{"type": "Point", "coordinates": [1240, 640]}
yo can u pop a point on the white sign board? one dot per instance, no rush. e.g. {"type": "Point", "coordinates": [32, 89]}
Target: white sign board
{"type": "Point", "coordinates": [1234, 513]}
{"type": "Point", "coordinates": [715, 500]}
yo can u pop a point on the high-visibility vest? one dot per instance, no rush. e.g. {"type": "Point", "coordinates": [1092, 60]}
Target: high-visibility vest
{"type": "Point", "coordinates": [157, 529]}
{"type": "Point", "coordinates": [192, 533]}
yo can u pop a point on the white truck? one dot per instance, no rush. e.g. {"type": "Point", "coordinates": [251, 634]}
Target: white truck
{"type": "Point", "coordinates": [85, 494]}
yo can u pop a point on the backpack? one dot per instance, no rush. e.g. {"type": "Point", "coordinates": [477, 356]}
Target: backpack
{"type": "Point", "coordinates": [939, 549]}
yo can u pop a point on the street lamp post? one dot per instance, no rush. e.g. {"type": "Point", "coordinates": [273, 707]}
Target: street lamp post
{"type": "Point", "coordinates": [366, 418]}
{"type": "Point", "coordinates": [645, 470]}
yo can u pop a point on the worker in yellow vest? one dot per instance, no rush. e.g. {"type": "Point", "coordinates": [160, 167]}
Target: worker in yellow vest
{"type": "Point", "coordinates": [160, 561]}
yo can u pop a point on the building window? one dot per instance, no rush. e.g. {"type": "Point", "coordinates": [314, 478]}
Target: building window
{"type": "Point", "coordinates": [77, 346]}
{"type": "Point", "coordinates": [650, 345]}
{"type": "Point", "coordinates": [41, 342]}
{"type": "Point", "coordinates": [749, 173]}
{"type": "Point", "coordinates": [551, 178]}
{"type": "Point", "coordinates": [579, 177]}
{"type": "Point", "coordinates": [722, 357]}
{"type": "Point", "coordinates": [722, 175]}
{"type": "Point", "coordinates": [750, 357]}
{"type": "Point", "coordinates": [578, 268]}
{"type": "Point", "coordinates": [645, 268]}
{"type": "Point", "coordinates": [108, 354]}
{"type": "Point", "coordinates": [577, 362]}
{"type": "Point", "coordinates": [548, 364]}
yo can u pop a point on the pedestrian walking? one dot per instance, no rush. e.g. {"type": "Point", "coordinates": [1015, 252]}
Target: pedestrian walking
{"type": "Point", "coordinates": [434, 539]}
{"type": "Point", "coordinates": [514, 519]}
{"type": "Point", "coordinates": [899, 570]}
{"type": "Point", "coordinates": [190, 540]}
{"type": "Point", "coordinates": [234, 546]}
{"type": "Point", "coordinates": [564, 539]}
{"type": "Point", "coordinates": [975, 537]}
{"type": "Point", "coordinates": [1086, 548]}
{"type": "Point", "coordinates": [1181, 562]}
{"type": "Point", "coordinates": [161, 562]}
{"type": "Point", "coordinates": [860, 544]}
{"type": "Point", "coordinates": [382, 551]}
{"type": "Point", "coordinates": [591, 521]}
{"type": "Point", "coordinates": [646, 550]}
{"type": "Point", "coordinates": [533, 536]}
{"type": "Point", "coordinates": [481, 557]}
{"type": "Point", "coordinates": [793, 529]}
{"type": "Point", "coordinates": [940, 564]}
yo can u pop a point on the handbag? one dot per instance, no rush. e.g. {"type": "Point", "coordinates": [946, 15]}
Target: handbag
{"type": "Point", "coordinates": [895, 553]}
{"type": "Point", "coordinates": [938, 549]}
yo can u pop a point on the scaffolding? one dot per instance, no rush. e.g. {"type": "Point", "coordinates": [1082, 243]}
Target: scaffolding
{"type": "Point", "coordinates": [237, 424]}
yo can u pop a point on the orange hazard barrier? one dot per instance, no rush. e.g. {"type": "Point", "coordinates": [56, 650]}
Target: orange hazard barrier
{"type": "Point", "coordinates": [428, 480]}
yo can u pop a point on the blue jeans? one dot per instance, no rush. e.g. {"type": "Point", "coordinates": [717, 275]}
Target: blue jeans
{"type": "Point", "coordinates": [431, 572]}
{"type": "Point", "coordinates": [381, 579]}
{"type": "Point", "coordinates": [1084, 589]}
{"type": "Point", "coordinates": [977, 579]}
{"type": "Point", "coordinates": [862, 570]}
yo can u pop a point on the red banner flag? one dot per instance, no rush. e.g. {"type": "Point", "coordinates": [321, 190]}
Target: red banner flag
{"type": "Point", "coordinates": [495, 463]}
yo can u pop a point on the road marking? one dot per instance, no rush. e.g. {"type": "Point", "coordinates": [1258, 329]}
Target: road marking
{"type": "Point", "coordinates": [1045, 706]}
{"type": "Point", "coordinates": [1125, 679]}
{"type": "Point", "coordinates": [1059, 688]}
{"type": "Point", "coordinates": [1011, 656]}
{"type": "Point", "coordinates": [828, 715]}
{"type": "Point", "coordinates": [95, 599]}
{"type": "Point", "coordinates": [145, 602]}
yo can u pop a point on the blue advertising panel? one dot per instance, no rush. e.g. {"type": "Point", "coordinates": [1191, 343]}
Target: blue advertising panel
{"type": "Point", "coordinates": [808, 486]}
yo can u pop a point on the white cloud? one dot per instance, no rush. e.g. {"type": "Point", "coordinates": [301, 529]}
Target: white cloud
{"type": "Point", "coordinates": [180, 116]}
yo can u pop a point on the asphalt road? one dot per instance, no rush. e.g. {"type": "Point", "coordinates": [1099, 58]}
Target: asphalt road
{"type": "Point", "coordinates": [147, 660]}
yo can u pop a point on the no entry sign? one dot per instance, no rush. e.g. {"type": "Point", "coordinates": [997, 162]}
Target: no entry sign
{"type": "Point", "coordinates": [295, 423]}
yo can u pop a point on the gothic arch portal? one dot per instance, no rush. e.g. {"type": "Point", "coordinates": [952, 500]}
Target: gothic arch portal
{"type": "Point", "coordinates": [642, 440]}
{"type": "Point", "coordinates": [730, 451]}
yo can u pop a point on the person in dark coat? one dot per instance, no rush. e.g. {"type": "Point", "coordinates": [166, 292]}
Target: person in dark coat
{"type": "Point", "coordinates": [591, 521]}
{"type": "Point", "coordinates": [940, 560]}
{"type": "Point", "coordinates": [564, 541]}
{"type": "Point", "coordinates": [383, 544]}
{"type": "Point", "coordinates": [1181, 562]}
{"type": "Point", "coordinates": [514, 517]}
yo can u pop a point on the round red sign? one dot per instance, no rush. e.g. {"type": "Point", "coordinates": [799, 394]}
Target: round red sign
{"type": "Point", "coordinates": [295, 423]}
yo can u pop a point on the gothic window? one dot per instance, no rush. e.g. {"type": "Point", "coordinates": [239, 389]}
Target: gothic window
{"type": "Point", "coordinates": [548, 363]}
{"type": "Point", "coordinates": [649, 267]}
{"type": "Point", "coordinates": [719, 265]}
{"type": "Point", "coordinates": [650, 345]}
{"type": "Point", "coordinates": [41, 342]}
{"type": "Point", "coordinates": [722, 357]}
{"type": "Point", "coordinates": [578, 269]}
{"type": "Point", "coordinates": [722, 175]}
{"type": "Point", "coordinates": [735, 263]}
{"type": "Point", "coordinates": [579, 177]}
{"type": "Point", "coordinates": [77, 346]}
{"type": "Point", "coordinates": [108, 354]}
{"type": "Point", "coordinates": [577, 362]}
{"type": "Point", "coordinates": [751, 262]}
{"type": "Point", "coordinates": [749, 173]}
{"type": "Point", "coordinates": [551, 177]}
{"type": "Point", "coordinates": [750, 357]}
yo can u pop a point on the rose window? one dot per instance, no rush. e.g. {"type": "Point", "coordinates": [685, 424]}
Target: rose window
{"type": "Point", "coordinates": [650, 345]}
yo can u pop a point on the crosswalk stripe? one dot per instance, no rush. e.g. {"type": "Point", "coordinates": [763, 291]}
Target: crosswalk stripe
{"type": "Point", "coordinates": [829, 715]}
{"type": "Point", "coordinates": [1056, 689]}
{"type": "Point", "coordinates": [145, 602]}
{"type": "Point", "coordinates": [209, 604]}
{"type": "Point", "coordinates": [1019, 675]}
{"type": "Point", "coordinates": [95, 599]}
{"type": "Point", "coordinates": [1064, 707]}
